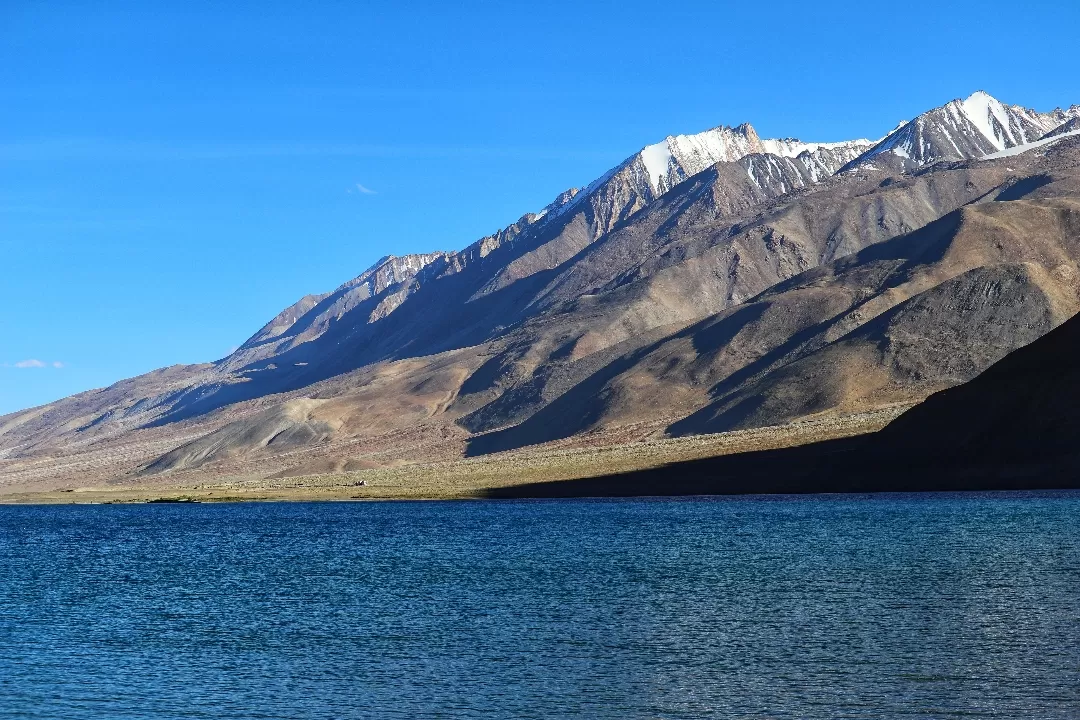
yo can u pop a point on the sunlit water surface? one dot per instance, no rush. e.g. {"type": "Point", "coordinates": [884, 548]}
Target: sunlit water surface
{"type": "Point", "coordinates": [811, 607]}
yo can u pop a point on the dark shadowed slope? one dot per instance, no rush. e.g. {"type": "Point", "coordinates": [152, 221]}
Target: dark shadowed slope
{"type": "Point", "coordinates": [1023, 412]}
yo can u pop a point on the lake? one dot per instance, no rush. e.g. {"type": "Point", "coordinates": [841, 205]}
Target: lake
{"type": "Point", "coordinates": [751, 607]}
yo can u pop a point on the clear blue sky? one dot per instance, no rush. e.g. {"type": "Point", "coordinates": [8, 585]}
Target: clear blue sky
{"type": "Point", "coordinates": [173, 174]}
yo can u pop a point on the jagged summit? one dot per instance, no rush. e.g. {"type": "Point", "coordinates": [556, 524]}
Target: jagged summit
{"type": "Point", "coordinates": [657, 168]}
{"type": "Point", "coordinates": [678, 157]}
{"type": "Point", "coordinates": [691, 154]}
{"type": "Point", "coordinates": [963, 129]}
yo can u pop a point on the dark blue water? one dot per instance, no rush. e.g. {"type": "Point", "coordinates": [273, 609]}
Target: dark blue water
{"type": "Point", "coordinates": [817, 607]}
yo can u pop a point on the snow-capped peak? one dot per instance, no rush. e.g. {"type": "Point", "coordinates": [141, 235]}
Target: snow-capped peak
{"type": "Point", "coordinates": [964, 129]}
{"type": "Point", "coordinates": [960, 130]}
{"type": "Point", "coordinates": [679, 156]}
{"type": "Point", "coordinates": [693, 153]}
{"type": "Point", "coordinates": [982, 110]}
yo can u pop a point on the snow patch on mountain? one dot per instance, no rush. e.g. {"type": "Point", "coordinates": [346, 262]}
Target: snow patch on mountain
{"type": "Point", "coordinates": [982, 110]}
{"type": "Point", "coordinates": [679, 156]}
{"type": "Point", "coordinates": [657, 159]}
{"type": "Point", "coordinates": [1020, 149]}
{"type": "Point", "coordinates": [792, 148]}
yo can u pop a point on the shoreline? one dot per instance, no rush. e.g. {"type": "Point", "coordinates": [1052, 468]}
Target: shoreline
{"type": "Point", "coordinates": [479, 477]}
{"type": "Point", "coordinates": [1048, 486]}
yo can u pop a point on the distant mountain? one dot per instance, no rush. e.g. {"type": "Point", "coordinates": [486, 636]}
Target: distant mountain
{"type": "Point", "coordinates": [962, 130]}
{"type": "Point", "coordinates": [708, 282]}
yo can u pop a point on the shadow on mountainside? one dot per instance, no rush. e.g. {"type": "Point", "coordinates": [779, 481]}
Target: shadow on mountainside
{"type": "Point", "coordinates": [582, 406]}
{"type": "Point", "coordinates": [1024, 187]}
{"type": "Point", "coordinates": [850, 465]}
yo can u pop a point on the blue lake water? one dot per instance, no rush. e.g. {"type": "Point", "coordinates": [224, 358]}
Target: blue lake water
{"type": "Point", "coordinates": [788, 607]}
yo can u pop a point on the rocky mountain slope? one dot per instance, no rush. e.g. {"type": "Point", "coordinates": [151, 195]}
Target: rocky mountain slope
{"type": "Point", "coordinates": [1020, 415]}
{"type": "Point", "coordinates": [707, 283]}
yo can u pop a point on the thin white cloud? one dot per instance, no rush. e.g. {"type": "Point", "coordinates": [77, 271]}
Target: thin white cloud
{"type": "Point", "coordinates": [365, 191]}
{"type": "Point", "coordinates": [35, 363]}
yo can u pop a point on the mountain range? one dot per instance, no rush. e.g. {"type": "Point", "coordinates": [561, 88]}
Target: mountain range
{"type": "Point", "coordinates": [708, 283]}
